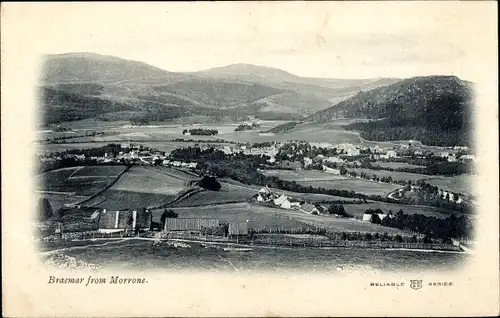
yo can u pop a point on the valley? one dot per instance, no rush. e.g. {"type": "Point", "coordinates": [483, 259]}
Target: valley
{"type": "Point", "coordinates": [252, 156]}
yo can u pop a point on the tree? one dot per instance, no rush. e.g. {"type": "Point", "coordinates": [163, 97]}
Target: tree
{"type": "Point", "coordinates": [209, 183]}
{"type": "Point", "coordinates": [168, 214]}
{"type": "Point", "coordinates": [375, 219]}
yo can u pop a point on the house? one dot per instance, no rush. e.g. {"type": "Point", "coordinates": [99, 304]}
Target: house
{"type": "Point", "coordinates": [467, 157]}
{"type": "Point", "coordinates": [265, 190]}
{"type": "Point", "coordinates": [260, 198]}
{"type": "Point", "coordinates": [283, 202]}
{"type": "Point", "coordinates": [335, 160]}
{"type": "Point", "coordinates": [192, 165]}
{"type": "Point", "coordinates": [309, 208]}
{"type": "Point", "coordinates": [367, 217]}
{"type": "Point", "coordinates": [307, 162]}
{"type": "Point", "coordinates": [119, 221]}
{"type": "Point", "coordinates": [176, 163]}
{"type": "Point", "coordinates": [392, 154]}
{"type": "Point", "coordinates": [331, 170]}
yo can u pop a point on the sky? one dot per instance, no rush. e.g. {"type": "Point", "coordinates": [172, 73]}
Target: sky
{"type": "Point", "coordinates": [319, 39]}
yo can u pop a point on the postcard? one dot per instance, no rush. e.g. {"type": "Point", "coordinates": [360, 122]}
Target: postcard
{"type": "Point", "coordinates": [250, 159]}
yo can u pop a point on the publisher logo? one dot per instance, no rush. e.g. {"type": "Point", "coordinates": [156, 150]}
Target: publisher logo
{"type": "Point", "coordinates": [416, 283]}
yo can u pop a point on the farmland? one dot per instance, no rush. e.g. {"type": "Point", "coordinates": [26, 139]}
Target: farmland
{"type": "Point", "coordinates": [305, 175]}
{"type": "Point", "coordinates": [227, 193]}
{"type": "Point", "coordinates": [319, 179]}
{"type": "Point", "coordinates": [258, 217]}
{"type": "Point", "coordinates": [357, 210]}
{"type": "Point", "coordinates": [404, 176]}
{"type": "Point", "coordinates": [395, 165]}
{"type": "Point", "coordinates": [71, 185]}
{"type": "Point", "coordinates": [310, 197]}
{"type": "Point", "coordinates": [144, 180]}
{"type": "Point", "coordinates": [353, 184]}
{"type": "Point", "coordinates": [461, 184]}
{"type": "Point", "coordinates": [116, 199]}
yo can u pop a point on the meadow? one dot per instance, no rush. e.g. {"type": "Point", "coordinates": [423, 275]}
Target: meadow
{"type": "Point", "coordinates": [309, 197]}
{"type": "Point", "coordinates": [75, 184]}
{"type": "Point", "coordinates": [404, 176]}
{"type": "Point", "coordinates": [259, 217]}
{"type": "Point", "coordinates": [302, 175]}
{"type": "Point", "coordinates": [395, 165]}
{"type": "Point", "coordinates": [227, 194]}
{"type": "Point", "coordinates": [357, 210]}
{"type": "Point", "coordinates": [117, 200]}
{"type": "Point", "coordinates": [460, 184]}
{"type": "Point", "coordinates": [144, 180]}
{"type": "Point", "coordinates": [78, 180]}
{"type": "Point", "coordinates": [353, 184]}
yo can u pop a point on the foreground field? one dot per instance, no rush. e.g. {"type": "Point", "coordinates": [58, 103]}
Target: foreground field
{"type": "Point", "coordinates": [75, 184]}
{"type": "Point", "coordinates": [117, 200]}
{"type": "Point", "coordinates": [146, 180]}
{"type": "Point", "coordinates": [259, 217]}
{"type": "Point", "coordinates": [139, 254]}
{"type": "Point", "coordinates": [227, 194]}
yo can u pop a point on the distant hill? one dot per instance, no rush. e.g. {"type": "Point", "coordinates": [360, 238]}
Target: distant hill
{"type": "Point", "coordinates": [248, 72]}
{"type": "Point", "coordinates": [436, 110]}
{"type": "Point", "coordinates": [97, 68]}
{"type": "Point", "coordinates": [77, 86]}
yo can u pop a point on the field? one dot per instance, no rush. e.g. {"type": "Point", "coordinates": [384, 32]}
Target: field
{"type": "Point", "coordinates": [460, 184]}
{"type": "Point", "coordinates": [228, 193]}
{"type": "Point", "coordinates": [358, 185]}
{"type": "Point", "coordinates": [259, 217]}
{"type": "Point", "coordinates": [138, 254]}
{"type": "Point", "coordinates": [115, 199]}
{"type": "Point", "coordinates": [78, 180]}
{"type": "Point", "coordinates": [75, 184]}
{"type": "Point", "coordinates": [395, 165]}
{"type": "Point", "coordinates": [145, 180]}
{"type": "Point", "coordinates": [405, 176]}
{"type": "Point", "coordinates": [309, 197]}
{"type": "Point", "coordinates": [357, 210]}
{"type": "Point", "coordinates": [303, 175]}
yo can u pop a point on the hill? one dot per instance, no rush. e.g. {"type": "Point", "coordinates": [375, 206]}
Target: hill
{"type": "Point", "coordinates": [436, 110]}
{"type": "Point", "coordinates": [97, 68]}
{"type": "Point", "coordinates": [77, 86]}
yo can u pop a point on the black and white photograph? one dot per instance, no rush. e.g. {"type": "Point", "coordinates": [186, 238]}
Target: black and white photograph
{"type": "Point", "coordinates": [197, 139]}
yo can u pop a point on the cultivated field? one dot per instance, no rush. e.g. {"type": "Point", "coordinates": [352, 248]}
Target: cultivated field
{"type": "Point", "coordinates": [83, 181]}
{"type": "Point", "coordinates": [309, 197]}
{"type": "Point", "coordinates": [116, 199]}
{"type": "Point", "coordinates": [357, 210]}
{"type": "Point", "coordinates": [405, 176]}
{"type": "Point", "coordinates": [259, 217]}
{"type": "Point", "coordinates": [395, 165]}
{"type": "Point", "coordinates": [302, 175]}
{"type": "Point", "coordinates": [353, 184]}
{"type": "Point", "coordinates": [145, 180]}
{"type": "Point", "coordinates": [461, 184]}
{"type": "Point", "coordinates": [228, 193]}
{"type": "Point", "coordinates": [75, 184]}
